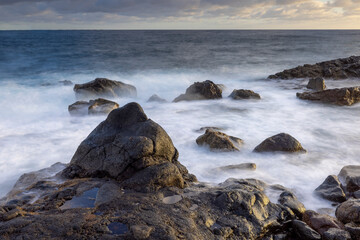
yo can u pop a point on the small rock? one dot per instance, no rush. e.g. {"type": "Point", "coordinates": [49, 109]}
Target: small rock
{"type": "Point", "coordinates": [244, 94]}
{"type": "Point", "coordinates": [241, 166]}
{"type": "Point", "coordinates": [101, 106]}
{"type": "Point", "coordinates": [141, 231]}
{"type": "Point", "coordinates": [156, 98]}
{"type": "Point", "coordinates": [349, 211]}
{"type": "Point", "coordinates": [331, 189]}
{"type": "Point", "coordinates": [303, 231]}
{"type": "Point", "coordinates": [281, 142]}
{"type": "Point", "coordinates": [354, 230]}
{"type": "Point", "coordinates": [79, 108]}
{"type": "Point", "coordinates": [336, 234]}
{"type": "Point", "coordinates": [350, 175]}
{"type": "Point", "coordinates": [219, 141]}
{"type": "Point", "coordinates": [317, 84]}
{"type": "Point", "coordinates": [201, 91]}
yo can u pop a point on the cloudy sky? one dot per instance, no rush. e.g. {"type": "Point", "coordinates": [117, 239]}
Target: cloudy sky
{"type": "Point", "coordinates": [179, 14]}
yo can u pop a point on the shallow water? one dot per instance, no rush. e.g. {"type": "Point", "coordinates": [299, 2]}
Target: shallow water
{"type": "Point", "coordinates": [37, 131]}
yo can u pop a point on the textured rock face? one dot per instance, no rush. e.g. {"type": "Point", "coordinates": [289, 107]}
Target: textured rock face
{"type": "Point", "coordinates": [97, 106]}
{"type": "Point", "coordinates": [244, 94]}
{"type": "Point", "coordinates": [349, 211]}
{"type": "Point", "coordinates": [350, 175]}
{"type": "Point", "coordinates": [280, 143]}
{"type": "Point", "coordinates": [331, 189]}
{"type": "Point", "coordinates": [321, 222]}
{"type": "Point", "coordinates": [219, 141]}
{"type": "Point", "coordinates": [201, 91]}
{"type": "Point", "coordinates": [336, 234]}
{"type": "Point", "coordinates": [156, 98]}
{"type": "Point", "coordinates": [339, 96]}
{"type": "Point", "coordinates": [124, 144]}
{"type": "Point", "coordinates": [103, 87]}
{"type": "Point", "coordinates": [335, 69]}
{"type": "Point", "coordinates": [317, 84]}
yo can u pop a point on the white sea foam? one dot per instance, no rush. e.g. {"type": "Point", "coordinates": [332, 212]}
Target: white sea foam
{"type": "Point", "coordinates": [37, 131]}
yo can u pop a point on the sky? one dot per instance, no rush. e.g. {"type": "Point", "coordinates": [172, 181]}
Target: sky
{"type": "Point", "coordinates": [179, 14]}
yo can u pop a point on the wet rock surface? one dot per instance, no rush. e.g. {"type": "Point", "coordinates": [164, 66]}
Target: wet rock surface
{"type": "Point", "coordinates": [219, 141]}
{"type": "Point", "coordinates": [342, 68]}
{"type": "Point", "coordinates": [103, 87]}
{"type": "Point", "coordinates": [201, 91]}
{"type": "Point", "coordinates": [339, 96]}
{"type": "Point", "coordinates": [317, 84]}
{"type": "Point", "coordinates": [97, 106]}
{"type": "Point", "coordinates": [331, 189]}
{"type": "Point", "coordinates": [281, 142]}
{"type": "Point", "coordinates": [244, 94]}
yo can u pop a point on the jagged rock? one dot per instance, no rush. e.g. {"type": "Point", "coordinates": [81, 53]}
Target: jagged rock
{"type": "Point", "coordinates": [349, 211]}
{"type": "Point", "coordinates": [331, 189]}
{"type": "Point", "coordinates": [335, 69]}
{"type": "Point", "coordinates": [124, 144]}
{"type": "Point", "coordinates": [317, 84]}
{"type": "Point", "coordinates": [354, 230]}
{"type": "Point", "coordinates": [303, 231]}
{"type": "Point", "coordinates": [350, 175]}
{"type": "Point", "coordinates": [336, 234]}
{"type": "Point", "coordinates": [219, 141]}
{"type": "Point", "coordinates": [156, 98]}
{"type": "Point", "coordinates": [244, 94]}
{"type": "Point", "coordinates": [321, 222]}
{"type": "Point", "coordinates": [338, 96]}
{"type": "Point", "coordinates": [281, 142]}
{"type": "Point", "coordinates": [201, 91]}
{"type": "Point", "coordinates": [97, 106]}
{"type": "Point", "coordinates": [289, 200]}
{"type": "Point", "coordinates": [241, 166]}
{"type": "Point", "coordinates": [103, 87]}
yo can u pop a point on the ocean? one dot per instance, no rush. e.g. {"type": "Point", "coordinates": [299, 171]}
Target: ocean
{"type": "Point", "coordinates": [37, 131]}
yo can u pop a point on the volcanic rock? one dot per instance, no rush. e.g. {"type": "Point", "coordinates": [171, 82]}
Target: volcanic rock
{"type": "Point", "coordinates": [219, 141]}
{"type": "Point", "coordinates": [103, 87]}
{"type": "Point", "coordinates": [331, 189]}
{"type": "Point", "coordinates": [317, 84]}
{"type": "Point", "coordinates": [201, 91]}
{"type": "Point", "coordinates": [281, 142]}
{"type": "Point", "coordinates": [342, 68]}
{"type": "Point", "coordinates": [244, 94]}
{"type": "Point", "coordinates": [338, 96]}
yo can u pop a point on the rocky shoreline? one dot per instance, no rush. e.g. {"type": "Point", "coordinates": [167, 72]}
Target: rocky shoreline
{"type": "Point", "coordinates": [125, 180]}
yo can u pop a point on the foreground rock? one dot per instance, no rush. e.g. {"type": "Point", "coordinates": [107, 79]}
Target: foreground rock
{"type": "Point", "coordinates": [201, 91]}
{"type": "Point", "coordinates": [219, 141]}
{"type": "Point", "coordinates": [335, 69]}
{"type": "Point", "coordinates": [281, 142]}
{"type": "Point", "coordinates": [156, 98]}
{"type": "Point", "coordinates": [331, 189]}
{"type": "Point", "coordinates": [317, 84]}
{"type": "Point", "coordinates": [349, 211]}
{"type": "Point", "coordinates": [97, 106]}
{"type": "Point", "coordinates": [103, 87]}
{"type": "Point", "coordinates": [339, 96]}
{"type": "Point", "coordinates": [244, 94]}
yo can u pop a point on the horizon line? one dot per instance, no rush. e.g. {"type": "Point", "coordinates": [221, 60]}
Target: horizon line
{"type": "Point", "coordinates": [185, 29]}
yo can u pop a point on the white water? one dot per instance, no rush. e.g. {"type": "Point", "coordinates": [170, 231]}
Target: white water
{"type": "Point", "coordinates": [37, 131]}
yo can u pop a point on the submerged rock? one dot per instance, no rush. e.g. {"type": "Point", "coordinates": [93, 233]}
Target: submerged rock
{"type": "Point", "coordinates": [219, 141]}
{"type": "Point", "coordinates": [281, 142]}
{"type": "Point", "coordinates": [201, 91]}
{"type": "Point", "coordinates": [349, 211]}
{"type": "Point", "coordinates": [103, 87]}
{"type": "Point", "coordinates": [317, 84]}
{"type": "Point", "coordinates": [331, 189]}
{"type": "Point", "coordinates": [244, 94]}
{"type": "Point", "coordinates": [338, 96]}
{"type": "Point", "coordinates": [156, 98]}
{"type": "Point", "coordinates": [350, 175]}
{"type": "Point", "coordinates": [97, 106]}
{"type": "Point", "coordinates": [335, 69]}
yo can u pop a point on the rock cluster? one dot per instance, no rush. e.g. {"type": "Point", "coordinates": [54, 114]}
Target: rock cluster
{"type": "Point", "coordinates": [335, 69]}
{"type": "Point", "coordinates": [97, 106]}
{"type": "Point", "coordinates": [201, 91]}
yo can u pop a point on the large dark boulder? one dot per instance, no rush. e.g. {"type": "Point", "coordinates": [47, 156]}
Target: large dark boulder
{"type": "Point", "coordinates": [317, 84]}
{"type": "Point", "coordinates": [244, 94]}
{"type": "Point", "coordinates": [338, 96]}
{"type": "Point", "coordinates": [331, 189]}
{"type": "Point", "coordinates": [103, 87]}
{"type": "Point", "coordinates": [349, 211]}
{"type": "Point", "coordinates": [350, 175]}
{"type": "Point", "coordinates": [281, 142]}
{"type": "Point", "coordinates": [219, 141]}
{"type": "Point", "coordinates": [335, 69]}
{"type": "Point", "coordinates": [97, 106]}
{"type": "Point", "coordinates": [201, 91]}
{"type": "Point", "coordinates": [127, 143]}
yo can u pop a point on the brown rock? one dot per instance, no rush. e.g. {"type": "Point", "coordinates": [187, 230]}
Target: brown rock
{"type": "Point", "coordinates": [281, 142]}
{"type": "Point", "coordinates": [244, 94]}
{"type": "Point", "coordinates": [321, 222]}
{"type": "Point", "coordinates": [201, 91]}
{"type": "Point", "coordinates": [219, 141]}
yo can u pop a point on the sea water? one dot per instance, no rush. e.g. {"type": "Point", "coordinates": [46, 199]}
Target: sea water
{"type": "Point", "coordinates": [36, 129]}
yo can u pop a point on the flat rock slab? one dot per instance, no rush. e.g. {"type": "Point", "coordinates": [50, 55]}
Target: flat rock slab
{"type": "Point", "coordinates": [338, 96]}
